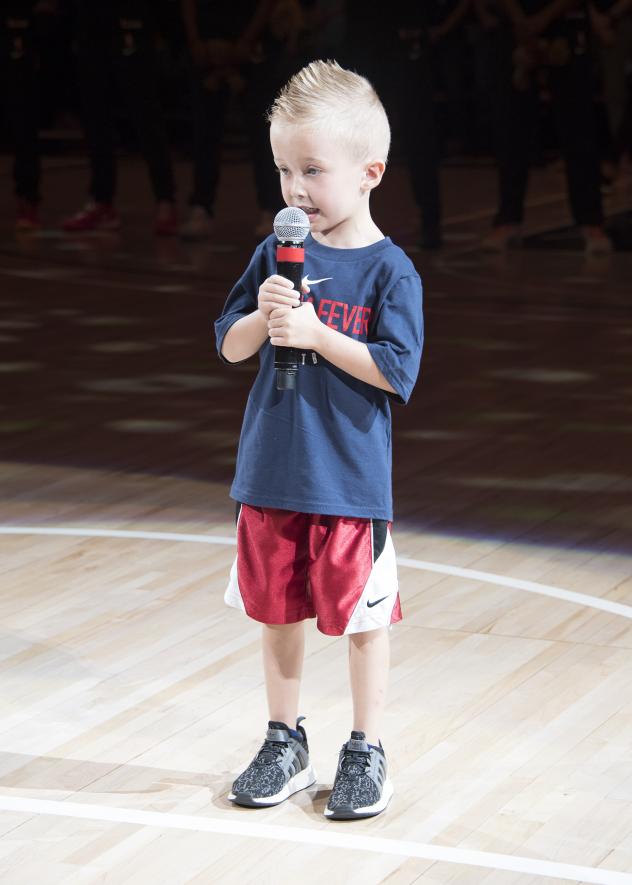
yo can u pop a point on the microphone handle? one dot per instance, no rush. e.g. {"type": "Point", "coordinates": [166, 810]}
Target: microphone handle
{"type": "Point", "coordinates": [286, 359]}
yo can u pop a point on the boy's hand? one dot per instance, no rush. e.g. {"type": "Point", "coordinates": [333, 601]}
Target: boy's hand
{"type": "Point", "coordinates": [298, 328]}
{"type": "Point", "coordinates": [276, 292]}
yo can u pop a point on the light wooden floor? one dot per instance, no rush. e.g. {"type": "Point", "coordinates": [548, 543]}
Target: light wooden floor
{"type": "Point", "coordinates": [128, 689]}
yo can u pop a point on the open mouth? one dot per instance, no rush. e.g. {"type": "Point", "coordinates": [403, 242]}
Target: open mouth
{"type": "Point", "coordinates": [310, 211]}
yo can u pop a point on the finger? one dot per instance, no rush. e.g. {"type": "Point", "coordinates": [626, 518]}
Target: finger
{"type": "Point", "coordinates": [284, 298]}
{"type": "Point", "coordinates": [305, 289]}
{"type": "Point", "coordinates": [281, 294]}
{"type": "Point", "coordinates": [276, 329]}
{"type": "Point", "coordinates": [281, 281]}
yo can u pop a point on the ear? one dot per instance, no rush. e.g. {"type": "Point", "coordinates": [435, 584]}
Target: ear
{"type": "Point", "coordinates": [372, 174]}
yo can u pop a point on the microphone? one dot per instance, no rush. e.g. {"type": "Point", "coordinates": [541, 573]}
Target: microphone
{"type": "Point", "coordinates": [291, 226]}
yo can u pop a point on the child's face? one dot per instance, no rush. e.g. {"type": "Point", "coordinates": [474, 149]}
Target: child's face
{"type": "Point", "coordinates": [320, 176]}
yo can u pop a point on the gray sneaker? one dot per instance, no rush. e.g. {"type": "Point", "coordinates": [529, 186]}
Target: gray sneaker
{"type": "Point", "coordinates": [361, 788]}
{"type": "Point", "coordinates": [280, 768]}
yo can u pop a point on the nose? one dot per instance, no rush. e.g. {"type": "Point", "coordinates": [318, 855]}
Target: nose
{"type": "Point", "coordinates": [298, 188]}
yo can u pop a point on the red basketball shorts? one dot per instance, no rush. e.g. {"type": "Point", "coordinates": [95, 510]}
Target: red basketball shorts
{"type": "Point", "coordinates": [292, 566]}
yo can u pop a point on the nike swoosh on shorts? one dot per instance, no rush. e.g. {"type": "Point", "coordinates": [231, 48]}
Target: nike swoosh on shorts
{"type": "Point", "coordinates": [376, 602]}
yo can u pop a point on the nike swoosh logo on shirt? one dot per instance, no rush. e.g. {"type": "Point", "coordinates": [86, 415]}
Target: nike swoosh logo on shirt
{"type": "Point", "coordinates": [377, 601]}
{"type": "Point", "coordinates": [308, 282]}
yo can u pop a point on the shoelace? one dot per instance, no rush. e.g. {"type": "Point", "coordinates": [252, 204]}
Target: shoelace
{"type": "Point", "coordinates": [270, 752]}
{"type": "Point", "coordinates": [355, 762]}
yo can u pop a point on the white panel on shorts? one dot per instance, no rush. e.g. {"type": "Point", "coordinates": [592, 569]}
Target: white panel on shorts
{"type": "Point", "coordinates": [232, 596]}
{"type": "Point", "coordinates": [381, 585]}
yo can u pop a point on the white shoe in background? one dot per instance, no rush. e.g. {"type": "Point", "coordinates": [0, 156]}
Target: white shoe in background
{"type": "Point", "coordinates": [198, 225]}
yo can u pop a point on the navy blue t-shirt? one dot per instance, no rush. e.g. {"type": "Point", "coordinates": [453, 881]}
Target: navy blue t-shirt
{"type": "Point", "coordinates": [325, 447]}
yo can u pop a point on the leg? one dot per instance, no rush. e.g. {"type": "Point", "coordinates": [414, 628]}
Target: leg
{"type": "Point", "coordinates": [136, 74]}
{"type": "Point", "coordinates": [613, 66]}
{"type": "Point", "coordinates": [260, 583]}
{"type": "Point", "coordinates": [421, 144]}
{"type": "Point", "coordinates": [263, 85]}
{"type": "Point", "coordinates": [209, 105]}
{"type": "Point", "coordinates": [575, 117]}
{"type": "Point", "coordinates": [361, 787]}
{"type": "Point", "coordinates": [18, 77]}
{"type": "Point", "coordinates": [283, 649]}
{"type": "Point", "coordinates": [369, 659]}
{"type": "Point", "coordinates": [94, 68]}
{"type": "Point", "coordinates": [513, 118]}
{"type": "Point", "coordinates": [282, 766]}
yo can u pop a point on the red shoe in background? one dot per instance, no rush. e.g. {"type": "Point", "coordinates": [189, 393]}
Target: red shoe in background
{"type": "Point", "coordinates": [93, 216]}
{"type": "Point", "coordinates": [26, 216]}
{"type": "Point", "coordinates": [596, 240]}
{"type": "Point", "coordinates": [166, 223]}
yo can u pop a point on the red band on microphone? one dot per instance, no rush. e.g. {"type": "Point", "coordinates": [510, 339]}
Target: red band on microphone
{"type": "Point", "coordinates": [290, 253]}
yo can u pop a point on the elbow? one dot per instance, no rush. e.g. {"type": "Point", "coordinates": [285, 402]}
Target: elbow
{"type": "Point", "coordinates": [227, 355]}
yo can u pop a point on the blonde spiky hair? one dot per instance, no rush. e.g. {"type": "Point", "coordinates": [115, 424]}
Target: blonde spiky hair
{"type": "Point", "coordinates": [341, 101]}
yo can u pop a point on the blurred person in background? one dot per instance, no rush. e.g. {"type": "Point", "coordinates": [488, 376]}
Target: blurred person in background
{"type": "Point", "coordinates": [612, 24]}
{"type": "Point", "coordinates": [536, 39]}
{"type": "Point", "coordinates": [449, 49]}
{"type": "Point", "coordinates": [323, 32]}
{"type": "Point", "coordinates": [246, 50]}
{"type": "Point", "coordinates": [401, 65]}
{"type": "Point", "coordinates": [25, 28]}
{"type": "Point", "coordinates": [116, 57]}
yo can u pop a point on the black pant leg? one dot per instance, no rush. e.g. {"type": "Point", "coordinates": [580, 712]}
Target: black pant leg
{"type": "Point", "coordinates": [420, 139]}
{"type": "Point", "coordinates": [18, 71]}
{"type": "Point", "coordinates": [573, 98]}
{"type": "Point", "coordinates": [209, 107]}
{"type": "Point", "coordinates": [514, 119]}
{"type": "Point", "coordinates": [95, 85]}
{"type": "Point", "coordinates": [136, 76]}
{"type": "Point", "coordinates": [262, 88]}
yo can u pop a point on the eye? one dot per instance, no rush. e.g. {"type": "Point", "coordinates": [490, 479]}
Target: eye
{"type": "Point", "coordinates": [312, 170]}
{"type": "Point", "coordinates": [282, 170]}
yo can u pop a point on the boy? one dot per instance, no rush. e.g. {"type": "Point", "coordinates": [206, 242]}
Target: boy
{"type": "Point", "coordinates": [313, 469]}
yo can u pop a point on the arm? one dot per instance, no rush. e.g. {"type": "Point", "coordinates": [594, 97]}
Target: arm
{"type": "Point", "coordinates": [195, 43]}
{"type": "Point", "coordinates": [245, 337]}
{"type": "Point", "coordinates": [189, 17]}
{"type": "Point", "coordinates": [485, 15]}
{"type": "Point", "coordinates": [620, 9]}
{"type": "Point", "coordinates": [541, 21]}
{"type": "Point", "coordinates": [601, 24]}
{"type": "Point", "coordinates": [453, 20]}
{"type": "Point", "coordinates": [302, 329]}
{"type": "Point", "coordinates": [389, 360]}
{"type": "Point", "coordinates": [353, 357]}
{"type": "Point", "coordinates": [255, 26]}
{"type": "Point", "coordinates": [532, 25]}
{"type": "Point", "coordinates": [514, 12]}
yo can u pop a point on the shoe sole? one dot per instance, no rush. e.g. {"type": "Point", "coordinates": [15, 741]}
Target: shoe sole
{"type": "Point", "coordinates": [347, 813]}
{"type": "Point", "coordinates": [300, 781]}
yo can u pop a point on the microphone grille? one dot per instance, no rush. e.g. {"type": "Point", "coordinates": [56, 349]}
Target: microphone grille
{"type": "Point", "coordinates": [291, 224]}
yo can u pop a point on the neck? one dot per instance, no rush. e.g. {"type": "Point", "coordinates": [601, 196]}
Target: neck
{"type": "Point", "coordinates": [352, 234]}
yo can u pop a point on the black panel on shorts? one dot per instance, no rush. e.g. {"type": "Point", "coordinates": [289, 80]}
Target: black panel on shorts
{"type": "Point", "coordinates": [380, 527]}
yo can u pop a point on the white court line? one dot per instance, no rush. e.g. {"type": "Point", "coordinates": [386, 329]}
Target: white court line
{"type": "Point", "coordinates": [300, 835]}
{"type": "Point", "coordinates": [615, 608]}
{"type": "Point", "coordinates": [324, 836]}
